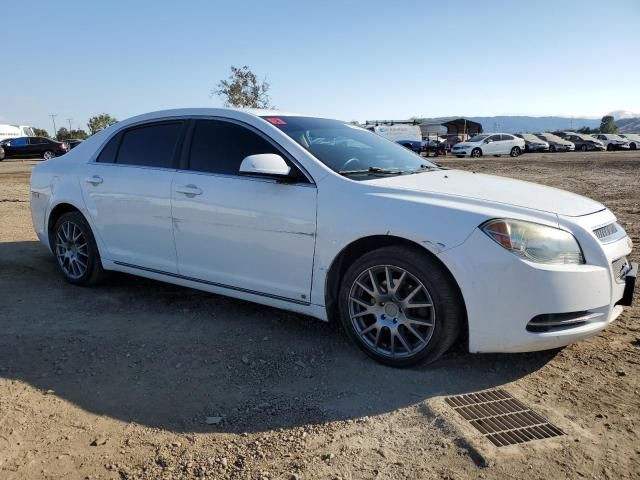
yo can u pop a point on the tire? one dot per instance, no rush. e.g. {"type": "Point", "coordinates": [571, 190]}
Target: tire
{"type": "Point", "coordinates": [584, 148]}
{"type": "Point", "coordinates": [69, 234]}
{"type": "Point", "coordinates": [632, 146]}
{"type": "Point", "coordinates": [48, 155]}
{"type": "Point", "coordinates": [476, 153]}
{"type": "Point", "coordinates": [442, 312]}
{"type": "Point", "coordinates": [515, 152]}
{"type": "Point", "coordinates": [552, 148]}
{"type": "Point", "coordinates": [610, 148]}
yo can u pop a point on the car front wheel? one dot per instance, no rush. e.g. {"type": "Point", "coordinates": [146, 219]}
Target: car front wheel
{"type": "Point", "coordinates": [75, 249]}
{"type": "Point", "coordinates": [584, 148]}
{"type": "Point", "coordinates": [476, 153]}
{"type": "Point", "coordinates": [48, 155]}
{"type": "Point", "coordinates": [400, 306]}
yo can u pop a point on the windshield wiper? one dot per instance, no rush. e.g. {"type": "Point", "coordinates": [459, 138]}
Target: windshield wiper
{"type": "Point", "coordinates": [373, 170]}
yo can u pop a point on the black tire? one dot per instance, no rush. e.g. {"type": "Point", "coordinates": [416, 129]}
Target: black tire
{"type": "Point", "coordinates": [552, 148]}
{"type": "Point", "coordinates": [448, 308]}
{"type": "Point", "coordinates": [632, 146]}
{"type": "Point", "coordinates": [584, 148]}
{"type": "Point", "coordinates": [610, 147]}
{"type": "Point", "coordinates": [476, 153]}
{"type": "Point", "coordinates": [48, 154]}
{"type": "Point", "coordinates": [94, 272]}
{"type": "Point", "coordinates": [515, 152]}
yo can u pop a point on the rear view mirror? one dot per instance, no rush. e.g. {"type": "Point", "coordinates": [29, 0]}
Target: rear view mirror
{"type": "Point", "coordinates": [266, 164]}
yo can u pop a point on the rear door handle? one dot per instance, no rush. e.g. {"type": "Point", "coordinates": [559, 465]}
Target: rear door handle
{"type": "Point", "coordinates": [189, 190]}
{"type": "Point", "coordinates": [95, 180]}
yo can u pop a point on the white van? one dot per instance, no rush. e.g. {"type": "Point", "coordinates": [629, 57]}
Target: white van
{"type": "Point", "coordinates": [14, 131]}
{"type": "Point", "coordinates": [409, 136]}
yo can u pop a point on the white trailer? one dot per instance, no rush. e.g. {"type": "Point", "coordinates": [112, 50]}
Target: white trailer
{"type": "Point", "coordinates": [14, 131]}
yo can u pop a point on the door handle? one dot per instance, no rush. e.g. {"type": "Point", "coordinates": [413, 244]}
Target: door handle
{"type": "Point", "coordinates": [189, 190]}
{"type": "Point", "coordinates": [95, 180]}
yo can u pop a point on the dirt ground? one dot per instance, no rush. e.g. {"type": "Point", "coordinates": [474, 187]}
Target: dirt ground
{"type": "Point", "coordinates": [139, 379]}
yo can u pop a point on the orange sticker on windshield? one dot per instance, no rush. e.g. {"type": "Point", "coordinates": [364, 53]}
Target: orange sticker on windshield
{"type": "Point", "coordinates": [276, 121]}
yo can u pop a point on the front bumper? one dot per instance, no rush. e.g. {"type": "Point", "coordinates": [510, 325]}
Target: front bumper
{"type": "Point", "coordinates": [503, 294]}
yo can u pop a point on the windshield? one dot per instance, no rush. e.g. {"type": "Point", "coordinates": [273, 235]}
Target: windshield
{"type": "Point", "coordinates": [347, 148]}
{"type": "Point", "coordinates": [530, 137]}
{"type": "Point", "coordinates": [551, 137]}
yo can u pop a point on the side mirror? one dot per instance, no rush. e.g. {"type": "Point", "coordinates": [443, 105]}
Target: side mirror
{"type": "Point", "coordinates": [265, 164]}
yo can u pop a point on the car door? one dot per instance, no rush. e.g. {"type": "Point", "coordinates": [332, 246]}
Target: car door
{"type": "Point", "coordinates": [127, 190]}
{"type": "Point", "coordinates": [492, 147]}
{"type": "Point", "coordinates": [507, 142]}
{"type": "Point", "coordinates": [253, 234]}
{"type": "Point", "coordinates": [17, 147]}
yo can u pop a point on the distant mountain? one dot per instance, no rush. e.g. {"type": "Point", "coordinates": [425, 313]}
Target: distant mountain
{"type": "Point", "coordinates": [629, 125]}
{"type": "Point", "coordinates": [623, 114]}
{"type": "Point", "coordinates": [518, 124]}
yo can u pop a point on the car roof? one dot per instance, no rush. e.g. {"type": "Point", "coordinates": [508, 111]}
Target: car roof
{"type": "Point", "coordinates": [203, 111]}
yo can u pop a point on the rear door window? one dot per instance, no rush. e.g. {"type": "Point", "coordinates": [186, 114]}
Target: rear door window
{"type": "Point", "coordinates": [150, 145]}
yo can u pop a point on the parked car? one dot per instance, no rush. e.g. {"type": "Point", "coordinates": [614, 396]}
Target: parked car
{"type": "Point", "coordinates": [327, 219]}
{"type": "Point", "coordinates": [532, 143]}
{"type": "Point", "coordinates": [612, 141]}
{"type": "Point", "coordinates": [34, 147]}
{"type": "Point", "coordinates": [582, 142]}
{"type": "Point", "coordinates": [489, 144]}
{"type": "Point", "coordinates": [73, 142]}
{"type": "Point", "coordinates": [409, 136]}
{"type": "Point", "coordinates": [633, 139]}
{"type": "Point", "coordinates": [1, 153]}
{"type": "Point", "coordinates": [556, 143]}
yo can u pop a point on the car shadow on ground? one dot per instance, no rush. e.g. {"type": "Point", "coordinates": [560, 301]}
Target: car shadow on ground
{"type": "Point", "coordinates": [169, 357]}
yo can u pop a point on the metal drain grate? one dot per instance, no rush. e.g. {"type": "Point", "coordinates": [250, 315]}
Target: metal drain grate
{"type": "Point", "coordinates": [501, 418]}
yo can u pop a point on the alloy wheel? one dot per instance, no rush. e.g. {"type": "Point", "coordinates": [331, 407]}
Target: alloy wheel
{"type": "Point", "coordinates": [48, 155]}
{"type": "Point", "coordinates": [71, 250]}
{"type": "Point", "coordinates": [391, 311]}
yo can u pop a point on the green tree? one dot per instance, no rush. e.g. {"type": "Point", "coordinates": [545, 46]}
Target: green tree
{"type": "Point", "coordinates": [242, 89]}
{"type": "Point", "coordinates": [100, 122]}
{"type": "Point", "coordinates": [587, 130]}
{"type": "Point", "coordinates": [64, 134]}
{"type": "Point", "coordinates": [608, 125]}
{"type": "Point", "coordinates": [40, 132]}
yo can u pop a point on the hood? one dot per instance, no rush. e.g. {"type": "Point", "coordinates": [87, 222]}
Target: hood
{"type": "Point", "coordinates": [493, 189]}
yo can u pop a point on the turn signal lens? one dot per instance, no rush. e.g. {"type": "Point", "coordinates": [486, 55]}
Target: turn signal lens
{"type": "Point", "coordinates": [535, 242]}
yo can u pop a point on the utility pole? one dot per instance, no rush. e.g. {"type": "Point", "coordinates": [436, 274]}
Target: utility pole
{"type": "Point", "coordinates": [53, 119]}
{"type": "Point", "coordinates": [69, 120]}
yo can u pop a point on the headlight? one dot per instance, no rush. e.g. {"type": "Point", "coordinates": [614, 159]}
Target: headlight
{"type": "Point", "coordinates": [535, 242]}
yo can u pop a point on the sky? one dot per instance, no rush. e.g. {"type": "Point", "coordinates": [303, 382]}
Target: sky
{"type": "Point", "coordinates": [347, 59]}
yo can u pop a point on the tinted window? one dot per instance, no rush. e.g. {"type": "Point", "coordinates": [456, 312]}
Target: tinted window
{"type": "Point", "coordinates": [35, 140]}
{"type": "Point", "coordinates": [150, 146]}
{"type": "Point", "coordinates": [220, 147]}
{"type": "Point", "coordinates": [18, 142]}
{"type": "Point", "coordinates": [495, 138]}
{"type": "Point", "coordinates": [108, 153]}
{"type": "Point", "coordinates": [506, 137]}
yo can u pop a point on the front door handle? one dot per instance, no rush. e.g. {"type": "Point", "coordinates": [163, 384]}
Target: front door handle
{"type": "Point", "coordinates": [189, 190]}
{"type": "Point", "coordinates": [95, 180]}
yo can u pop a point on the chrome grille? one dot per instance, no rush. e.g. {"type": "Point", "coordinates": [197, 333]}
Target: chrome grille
{"type": "Point", "coordinates": [620, 268]}
{"type": "Point", "coordinates": [605, 232]}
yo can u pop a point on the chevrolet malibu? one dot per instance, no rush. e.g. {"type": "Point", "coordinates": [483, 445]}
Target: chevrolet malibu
{"type": "Point", "coordinates": [327, 219]}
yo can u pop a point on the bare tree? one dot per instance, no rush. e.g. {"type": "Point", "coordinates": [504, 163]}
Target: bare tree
{"type": "Point", "coordinates": [242, 89]}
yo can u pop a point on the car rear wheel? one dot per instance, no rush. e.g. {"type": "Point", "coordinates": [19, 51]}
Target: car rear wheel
{"type": "Point", "coordinates": [48, 155]}
{"type": "Point", "coordinates": [610, 147]}
{"type": "Point", "coordinates": [400, 306]}
{"type": "Point", "coordinates": [584, 148]}
{"type": "Point", "coordinates": [552, 148]}
{"type": "Point", "coordinates": [75, 249]}
{"type": "Point", "coordinates": [633, 146]}
{"type": "Point", "coordinates": [476, 153]}
{"type": "Point", "coordinates": [515, 152]}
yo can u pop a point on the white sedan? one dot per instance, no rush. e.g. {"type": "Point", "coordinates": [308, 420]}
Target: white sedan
{"type": "Point", "coordinates": [495, 144]}
{"type": "Point", "coordinates": [327, 219]}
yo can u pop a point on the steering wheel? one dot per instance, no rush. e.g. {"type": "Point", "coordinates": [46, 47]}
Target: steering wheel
{"type": "Point", "coordinates": [348, 163]}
